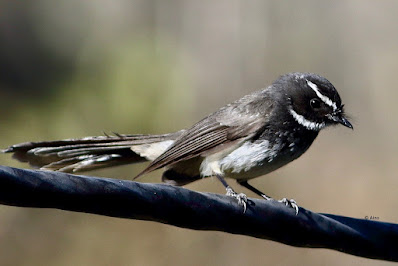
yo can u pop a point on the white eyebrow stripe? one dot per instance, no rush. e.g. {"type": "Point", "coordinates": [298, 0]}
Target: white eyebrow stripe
{"type": "Point", "coordinates": [321, 96]}
{"type": "Point", "coordinates": [306, 123]}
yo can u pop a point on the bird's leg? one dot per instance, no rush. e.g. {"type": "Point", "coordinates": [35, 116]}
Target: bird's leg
{"type": "Point", "coordinates": [245, 184]}
{"type": "Point", "coordinates": [292, 203]}
{"type": "Point", "coordinates": [242, 198]}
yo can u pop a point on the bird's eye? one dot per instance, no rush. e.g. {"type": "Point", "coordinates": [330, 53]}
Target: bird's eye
{"type": "Point", "coordinates": [315, 103]}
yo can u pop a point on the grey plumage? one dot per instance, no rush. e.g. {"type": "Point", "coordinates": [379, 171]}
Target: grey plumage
{"type": "Point", "coordinates": [250, 137]}
{"type": "Point", "coordinates": [228, 126]}
{"type": "Point", "coordinates": [89, 153]}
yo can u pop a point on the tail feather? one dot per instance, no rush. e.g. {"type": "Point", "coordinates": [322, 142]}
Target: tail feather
{"type": "Point", "coordinates": [74, 151]}
{"type": "Point", "coordinates": [90, 162]}
{"type": "Point", "coordinates": [89, 153]}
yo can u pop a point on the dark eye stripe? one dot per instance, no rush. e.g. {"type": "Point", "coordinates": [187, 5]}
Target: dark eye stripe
{"type": "Point", "coordinates": [322, 97]}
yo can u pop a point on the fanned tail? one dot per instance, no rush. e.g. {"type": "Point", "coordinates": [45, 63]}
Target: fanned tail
{"type": "Point", "coordinates": [89, 153]}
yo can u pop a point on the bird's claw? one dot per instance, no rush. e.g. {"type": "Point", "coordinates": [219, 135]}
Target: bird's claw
{"type": "Point", "coordinates": [242, 198]}
{"type": "Point", "coordinates": [291, 203]}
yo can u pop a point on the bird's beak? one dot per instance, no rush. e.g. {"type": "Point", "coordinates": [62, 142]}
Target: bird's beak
{"type": "Point", "coordinates": [339, 118]}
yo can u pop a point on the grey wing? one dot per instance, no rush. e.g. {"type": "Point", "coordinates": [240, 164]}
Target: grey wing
{"type": "Point", "coordinates": [233, 122]}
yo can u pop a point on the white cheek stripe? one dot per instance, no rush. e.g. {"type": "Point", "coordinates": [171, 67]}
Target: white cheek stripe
{"type": "Point", "coordinates": [306, 123]}
{"type": "Point", "coordinates": [321, 96]}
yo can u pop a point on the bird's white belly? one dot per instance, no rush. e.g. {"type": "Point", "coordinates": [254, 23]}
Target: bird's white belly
{"type": "Point", "coordinates": [250, 160]}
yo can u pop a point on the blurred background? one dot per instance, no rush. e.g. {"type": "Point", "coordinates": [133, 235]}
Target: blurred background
{"type": "Point", "coordinates": [77, 68]}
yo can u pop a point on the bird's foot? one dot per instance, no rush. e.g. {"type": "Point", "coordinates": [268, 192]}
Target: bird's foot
{"type": "Point", "coordinates": [242, 198]}
{"type": "Point", "coordinates": [290, 203]}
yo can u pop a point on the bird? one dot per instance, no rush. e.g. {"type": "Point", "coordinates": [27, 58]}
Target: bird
{"type": "Point", "coordinates": [245, 139]}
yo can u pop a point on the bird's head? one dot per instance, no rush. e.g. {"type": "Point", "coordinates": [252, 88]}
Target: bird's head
{"type": "Point", "coordinates": [312, 101]}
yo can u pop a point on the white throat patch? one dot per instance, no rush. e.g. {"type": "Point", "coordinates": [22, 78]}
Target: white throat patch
{"type": "Point", "coordinates": [306, 123]}
{"type": "Point", "coordinates": [324, 98]}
